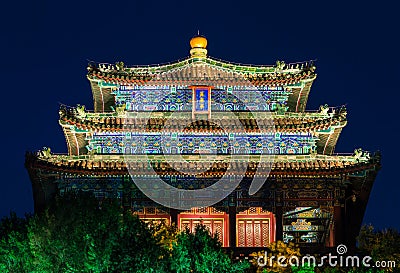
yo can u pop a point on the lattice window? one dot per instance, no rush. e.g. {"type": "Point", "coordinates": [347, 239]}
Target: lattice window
{"type": "Point", "coordinates": [255, 210]}
{"type": "Point", "coordinates": [241, 234]}
{"type": "Point", "coordinates": [185, 225]}
{"type": "Point", "coordinates": [202, 210]}
{"type": "Point", "coordinates": [215, 226]}
{"type": "Point", "coordinates": [257, 233]}
{"type": "Point", "coordinates": [265, 233]}
{"type": "Point", "coordinates": [249, 233]}
{"type": "Point", "coordinates": [252, 210]}
{"type": "Point", "coordinates": [219, 229]}
{"type": "Point", "coordinates": [215, 211]}
{"type": "Point", "coordinates": [208, 224]}
{"type": "Point", "coordinates": [253, 233]}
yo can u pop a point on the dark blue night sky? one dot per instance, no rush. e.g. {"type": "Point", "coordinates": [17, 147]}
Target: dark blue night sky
{"type": "Point", "coordinates": [47, 45]}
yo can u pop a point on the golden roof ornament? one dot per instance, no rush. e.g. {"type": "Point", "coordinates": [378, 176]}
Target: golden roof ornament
{"type": "Point", "coordinates": [198, 46]}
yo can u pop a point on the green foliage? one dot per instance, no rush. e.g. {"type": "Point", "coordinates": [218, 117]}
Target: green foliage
{"type": "Point", "coordinates": [13, 223]}
{"type": "Point", "coordinates": [381, 245]}
{"type": "Point", "coordinates": [137, 249]}
{"type": "Point", "coordinates": [76, 234]}
{"type": "Point", "coordinates": [303, 269]}
{"type": "Point", "coordinates": [201, 252]}
{"type": "Point", "coordinates": [278, 248]}
{"type": "Point", "coordinates": [15, 255]}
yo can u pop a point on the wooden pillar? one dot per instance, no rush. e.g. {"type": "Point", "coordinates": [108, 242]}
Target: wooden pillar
{"type": "Point", "coordinates": [232, 227]}
{"type": "Point", "coordinates": [174, 216]}
{"type": "Point", "coordinates": [330, 241]}
{"type": "Point", "coordinates": [338, 222]}
{"type": "Point", "coordinates": [126, 201]}
{"type": "Point", "coordinates": [279, 223]}
{"type": "Point", "coordinates": [351, 223]}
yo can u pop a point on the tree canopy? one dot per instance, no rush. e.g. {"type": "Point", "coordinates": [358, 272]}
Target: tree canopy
{"type": "Point", "coordinates": [77, 234]}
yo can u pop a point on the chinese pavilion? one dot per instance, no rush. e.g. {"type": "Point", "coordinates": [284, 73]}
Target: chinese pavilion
{"type": "Point", "coordinates": [236, 113]}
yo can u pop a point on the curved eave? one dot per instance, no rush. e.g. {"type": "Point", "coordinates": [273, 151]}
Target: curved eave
{"type": "Point", "coordinates": [76, 143]}
{"type": "Point", "coordinates": [308, 166]}
{"type": "Point", "coordinates": [229, 66]}
{"type": "Point", "coordinates": [327, 142]}
{"type": "Point", "coordinates": [251, 81]}
{"type": "Point", "coordinates": [290, 74]}
{"type": "Point", "coordinates": [103, 98]}
{"type": "Point", "coordinates": [118, 124]}
{"type": "Point", "coordinates": [297, 101]}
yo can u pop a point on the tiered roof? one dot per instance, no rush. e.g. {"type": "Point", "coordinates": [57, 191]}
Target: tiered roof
{"type": "Point", "coordinates": [214, 71]}
{"type": "Point", "coordinates": [280, 165]}
{"type": "Point", "coordinates": [287, 122]}
{"type": "Point", "coordinates": [202, 69]}
{"type": "Point", "coordinates": [325, 124]}
{"type": "Point", "coordinates": [125, 103]}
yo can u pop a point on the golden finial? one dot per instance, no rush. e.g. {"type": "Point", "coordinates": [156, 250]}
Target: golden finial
{"type": "Point", "coordinates": [198, 45]}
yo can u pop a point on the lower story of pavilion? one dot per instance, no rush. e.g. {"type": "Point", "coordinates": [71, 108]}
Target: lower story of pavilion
{"type": "Point", "coordinates": [254, 227]}
{"type": "Point", "coordinates": [316, 210]}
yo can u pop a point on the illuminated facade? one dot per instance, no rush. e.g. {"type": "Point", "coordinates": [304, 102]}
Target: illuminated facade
{"type": "Point", "coordinates": [311, 196]}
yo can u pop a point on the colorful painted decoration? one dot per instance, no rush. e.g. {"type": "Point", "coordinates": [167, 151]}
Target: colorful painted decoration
{"type": "Point", "coordinates": [164, 99]}
{"type": "Point", "coordinates": [163, 143]}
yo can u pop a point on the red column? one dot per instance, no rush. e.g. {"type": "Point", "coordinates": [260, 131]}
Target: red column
{"type": "Point", "coordinates": [338, 225]}
{"type": "Point", "coordinates": [232, 226]}
{"type": "Point", "coordinates": [279, 223]}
